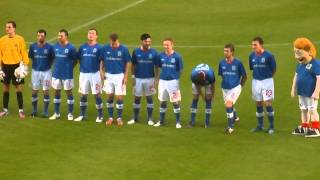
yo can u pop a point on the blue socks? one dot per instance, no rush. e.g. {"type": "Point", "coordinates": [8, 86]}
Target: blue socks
{"type": "Point", "coordinates": [259, 115]}
{"type": "Point", "coordinates": [163, 109]}
{"type": "Point", "coordinates": [149, 107]}
{"type": "Point", "coordinates": [208, 112]}
{"type": "Point", "coordinates": [193, 110]}
{"type": "Point", "coordinates": [110, 108]}
{"type": "Point", "coordinates": [229, 111]}
{"type": "Point", "coordinates": [34, 103]}
{"type": "Point", "coordinates": [70, 102]}
{"type": "Point", "coordinates": [119, 106]}
{"type": "Point", "coordinates": [57, 101]}
{"type": "Point", "coordinates": [136, 109]}
{"type": "Point", "coordinates": [83, 105]}
{"type": "Point", "coordinates": [99, 106]}
{"type": "Point", "coordinates": [270, 116]}
{"type": "Point", "coordinates": [46, 100]}
{"type": "Point", "coordinates": [176, 110]}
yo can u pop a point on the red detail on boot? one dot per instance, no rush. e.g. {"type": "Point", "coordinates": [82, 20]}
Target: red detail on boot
{"type": "Point", "coordinates": [315, 124]}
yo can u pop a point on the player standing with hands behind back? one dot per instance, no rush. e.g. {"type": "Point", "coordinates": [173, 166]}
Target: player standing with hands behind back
{"type": "Point", "coordinates": [263, 66]}
{"type": "Point", "coordinates": [170, 63]}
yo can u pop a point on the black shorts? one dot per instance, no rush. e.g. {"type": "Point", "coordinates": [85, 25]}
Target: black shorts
{"type": "Point", "coordinates": [8, 70]}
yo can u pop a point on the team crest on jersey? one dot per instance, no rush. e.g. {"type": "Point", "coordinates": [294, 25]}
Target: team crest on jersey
{"type": "Point", "coordinates": [45, 51]}
{"type": "Point", "coordinates": [150, 56]}
{"type": "Point", "coordinates": [263, 60]}
{"type": "Point", "coordinates": [253, 60]}
{"type": "Point", "coordinates": [108, 52]}
{"type": "Point", "coordinates": [162, 59]}
{"type": "Point", "coordinates": [173, 60]}
{"type": "Point", "coordinates": [35, 51]}
{"type": "Point", "coordinates": [94, 50]}
{"type": "Point", "coordinates": [119, 53]}
{"type": "Point", "coordinates": [308, 66]}
{"type": "Point", "coordinates": [223, 67]}
{"type": "Point", "coordinates": [66, 51]}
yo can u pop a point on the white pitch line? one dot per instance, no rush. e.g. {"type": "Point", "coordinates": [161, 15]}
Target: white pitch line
{"type": "Point", "coordinates": [211, 46]}
{"type": "Point", "coordinates": [102, 17]}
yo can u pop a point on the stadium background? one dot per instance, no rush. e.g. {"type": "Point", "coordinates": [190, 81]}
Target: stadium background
{"type": "Point", "coordinates": [42, 149]}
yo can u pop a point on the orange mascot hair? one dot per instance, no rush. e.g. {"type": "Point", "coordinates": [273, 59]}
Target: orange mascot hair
{"type": "Point", "coordinates": [305, 44]}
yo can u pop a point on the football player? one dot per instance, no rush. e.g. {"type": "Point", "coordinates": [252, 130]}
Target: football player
{"type": "Point", "coordinates": [143, 72]}
{"type": "Point", "coordinates": [233, 78]}
{"type": "Point", "coordinates": [202, 77]}
{"type": "Point", "coordinates": [62, 76]}
{"type": "Point", "coordinates": [263, 66]}
{"type": "Point", "coordinates": [115, 66]}
{"type": "Point", "coordinates": [89, 78]}
{"type": "Point", "coordinates": [42, 54]}
{"type": "Point", "coordinates": [170, 63]}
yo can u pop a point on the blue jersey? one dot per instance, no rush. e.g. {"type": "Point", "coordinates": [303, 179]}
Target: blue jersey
{"type": "Point", "coordinates": [144, 62]}
{"type": "Point", "coordinates": [115, 60]}
{"type": "Point", "coordinates": [42, 57]}
{"type": "Point", "coordinates": [263, 65]}
{"type": "Point", "coordinates": [65, 58]}
{"type": "Point", "coordinates": [208, 75]}
{"type": "Point", "coordinates": [171, 66]}
{"type": "Point", "coordinates": [89, 58]}
{"type": "Point", "coordinates": [307, 77]}
{"type": "Point", "coordinates": [231, 73]}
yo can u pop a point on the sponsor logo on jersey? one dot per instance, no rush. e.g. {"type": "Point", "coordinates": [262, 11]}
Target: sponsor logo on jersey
{"type": "Point", "coordinates": [233, 68]}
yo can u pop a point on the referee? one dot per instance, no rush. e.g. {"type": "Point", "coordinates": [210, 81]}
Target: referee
{"type": "Point", "coordinates": [12, 51]}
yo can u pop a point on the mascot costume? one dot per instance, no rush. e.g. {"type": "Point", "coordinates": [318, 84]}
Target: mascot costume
{"type": "Point", "coordinates": [306, 84]}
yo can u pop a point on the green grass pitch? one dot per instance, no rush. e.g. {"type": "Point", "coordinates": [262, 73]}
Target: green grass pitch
{"type": "Point", "coordinates": [42, 149]}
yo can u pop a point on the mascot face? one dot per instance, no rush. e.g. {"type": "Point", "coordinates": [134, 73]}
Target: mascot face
{"type": "Point", "coordinates": [304, 50]}
{"type": "Point", "coordinates": [301, 55]}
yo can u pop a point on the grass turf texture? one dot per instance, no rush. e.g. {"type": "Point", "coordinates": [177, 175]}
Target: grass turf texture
{"type": "Point", "coordinates": [42, 149]}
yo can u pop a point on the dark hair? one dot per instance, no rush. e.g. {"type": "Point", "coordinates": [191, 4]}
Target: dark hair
{"type": "Point", "coordinates": [144, 36]}
{"type": "Point", "coordinates": [14, 25]}
{"type": "Point", "coordinates": [64, 31]}
{"type": "Point", "coordinates": [259, 39]}
{"type": "Point", "coordinates": [168, 39]}
{"type": "Point", "coordinates": [42, 31]}
{"type": "Point", "coordinates": [229, 46]}
{"type": "Point", "coordinates": [94, 29]}
{"type": "Point", "coordinates": [113, 37]}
